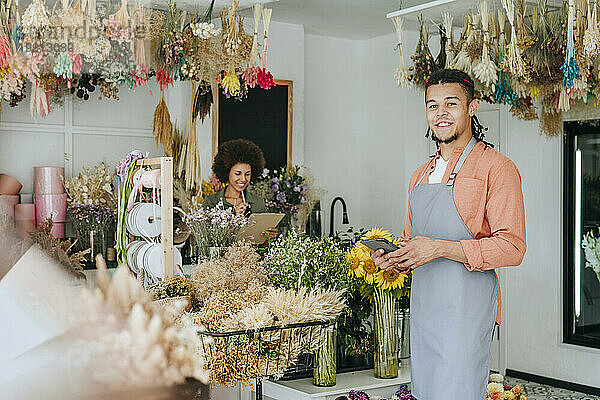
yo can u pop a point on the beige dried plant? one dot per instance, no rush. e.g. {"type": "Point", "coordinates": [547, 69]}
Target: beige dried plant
{"type": "Point", "coordinates": [126, 341]}
{"type": "Point", "coordinates": [92, 186]}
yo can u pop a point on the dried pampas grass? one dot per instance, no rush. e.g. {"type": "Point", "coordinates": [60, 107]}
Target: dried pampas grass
{"type": "Point", "coordinates": [125, 341]}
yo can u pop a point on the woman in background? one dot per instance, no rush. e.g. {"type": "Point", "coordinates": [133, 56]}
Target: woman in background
{"type": "Point", "coordinates": [237, 163]}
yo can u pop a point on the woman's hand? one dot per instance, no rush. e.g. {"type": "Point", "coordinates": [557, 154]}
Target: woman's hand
{"type": "Point", "coordinates": [270, 233]}
{"type": "Point", "coordinates": [240, 209]}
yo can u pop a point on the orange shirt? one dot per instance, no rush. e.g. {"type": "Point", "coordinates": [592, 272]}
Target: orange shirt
{"type": "Point", "coordinates": [488, 196]}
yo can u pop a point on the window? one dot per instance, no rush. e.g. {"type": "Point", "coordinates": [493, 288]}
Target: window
{"type": "Point", "coordinates": [581, 215]}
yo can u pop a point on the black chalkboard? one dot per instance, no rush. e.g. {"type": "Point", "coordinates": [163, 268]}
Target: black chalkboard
{"type": "Point", "coordinates": [264, 117]}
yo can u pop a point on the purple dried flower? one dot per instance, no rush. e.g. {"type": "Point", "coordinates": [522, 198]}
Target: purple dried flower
{"type": "Point", "coordinates": [275, 188]}
{"type": "Point", "coordinates": [354, 395]}
{"type": "Point", "coordinates": [280, 197]}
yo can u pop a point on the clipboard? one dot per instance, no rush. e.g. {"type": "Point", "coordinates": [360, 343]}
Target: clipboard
{"type": "Point", "coordinates": [259, 223]}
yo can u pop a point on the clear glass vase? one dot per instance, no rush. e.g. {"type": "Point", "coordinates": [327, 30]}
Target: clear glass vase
{"type": "Point", "coordinates": [403, 324]}
{"type": "Point", "coordinates": [325, 359]}
{"type": "Point", "coordinates": [92, 238]}
{"type": "Point", "coordinates": [385, 355]}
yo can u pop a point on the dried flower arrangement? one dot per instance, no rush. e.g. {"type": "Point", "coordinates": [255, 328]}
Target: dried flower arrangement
{"type": "Point", "coordinates": [127, 342]}
{"type": "Point", "coordinates": [549, 58]}
{"type": "Point", "coordinates": [173, 287]}
{"type": "Point", "coordinates": [120, 44]}
{"type": "Point", "coordinates": [214, 227]}
{"type": "Point", "coordinates": [424, 64]}
{"type": "Point", "coordinates": [92, 186]}
{"type": "Point", "coordinates": [241, 358]}
{"type": "Point", "coordinates": [225, 307]}
{"type": "Point", "coordinates": [238, 268]}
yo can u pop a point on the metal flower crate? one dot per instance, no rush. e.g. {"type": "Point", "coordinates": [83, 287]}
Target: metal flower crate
{"type": "Point", "coordinates": [269, 352]}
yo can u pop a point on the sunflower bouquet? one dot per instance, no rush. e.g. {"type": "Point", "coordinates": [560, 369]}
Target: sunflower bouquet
{"type": "Point", "coordinates": [361, 266]}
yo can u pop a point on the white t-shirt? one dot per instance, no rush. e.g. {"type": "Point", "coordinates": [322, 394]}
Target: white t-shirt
{"type": "Point", "coordinates": [438, 173]}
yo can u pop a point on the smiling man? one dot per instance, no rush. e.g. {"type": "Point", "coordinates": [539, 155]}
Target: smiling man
{"type": "Point", "coordinates": [465, 218]}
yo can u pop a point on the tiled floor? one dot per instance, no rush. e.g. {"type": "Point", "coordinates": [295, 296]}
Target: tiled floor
{"type": "Point", "coordinates": [535, 391]}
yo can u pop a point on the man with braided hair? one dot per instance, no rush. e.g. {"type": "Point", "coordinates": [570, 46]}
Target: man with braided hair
{"type": "Point", "coordinates": [465, 218]}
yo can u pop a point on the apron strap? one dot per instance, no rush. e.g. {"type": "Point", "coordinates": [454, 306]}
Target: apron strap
{"type": "Point", "coordinates": [461, 160]}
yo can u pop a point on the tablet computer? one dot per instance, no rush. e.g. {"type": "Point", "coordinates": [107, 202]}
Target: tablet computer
{"type": "Point", "coordinates": [259, 223]}
{"type": "Point", "coordinates": [377, 244]}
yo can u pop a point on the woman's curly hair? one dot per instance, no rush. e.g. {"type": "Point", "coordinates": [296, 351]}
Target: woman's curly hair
{"type": "Point", "coordinates": [238, 151]}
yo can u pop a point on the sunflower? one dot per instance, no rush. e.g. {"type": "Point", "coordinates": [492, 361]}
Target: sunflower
{"type": "Point", "coordinates": [370, 269]}
{"type": "Point", "coordinates": [378, 233]}
{"type": "Point", "coordinates": [355, 263]}
{"type": "Point", "coordinates": [389, 280]}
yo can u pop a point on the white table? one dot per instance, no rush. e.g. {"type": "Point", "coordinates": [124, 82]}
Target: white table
{"type": "Point", "coordinates": [303, 389]}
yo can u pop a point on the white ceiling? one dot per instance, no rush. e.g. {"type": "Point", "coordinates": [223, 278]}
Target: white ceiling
{"type": "Point", "coordinates": [350, 19]}
{"type": "Point", "coordinates": [365, 19]}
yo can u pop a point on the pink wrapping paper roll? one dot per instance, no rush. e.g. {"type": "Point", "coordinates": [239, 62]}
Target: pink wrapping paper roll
{"type": "Point", "coordinates": [50, 205]}
{"type": "Point", "coordinates": [25, 226]}
{"type": "Point", "coordinates": [25, 212]}
{"type": "Point", "coordinates": [58, 229]}
{"type": "Point", "coordinates": [48, 180]}
{"type": "Point", "coordinates": [7, 204]}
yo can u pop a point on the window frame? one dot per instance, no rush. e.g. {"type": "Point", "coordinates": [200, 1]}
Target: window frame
{"type": "Point", "coordinates": [571, 130]}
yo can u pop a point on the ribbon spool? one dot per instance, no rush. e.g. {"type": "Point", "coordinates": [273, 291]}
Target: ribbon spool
{"type": "Point", "coordinates": [132, 250]}
{"type": "Point", "coordinates": [144, 220]}
{"type": "Point", "coordinates": [152, 259]}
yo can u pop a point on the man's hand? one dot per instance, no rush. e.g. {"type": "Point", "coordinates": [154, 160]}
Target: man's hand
{"type": "Point", "coordinates": [410, 255]}
{"type": "Point", "coordinates": [416, 252]}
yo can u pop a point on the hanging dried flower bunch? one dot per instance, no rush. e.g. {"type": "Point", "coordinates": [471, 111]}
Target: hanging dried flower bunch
{"type": "Point", "coordinates": [35, 18]}
{"type": "Point", "coordinates": [524, 109]}
{"type": "Point", "coordinates": [549, 53]}
{"type": "Point", "coordinates": [524, 41]}
{"type": "Point", "coordinates": [202, 101]}
{"type": "Point", "coordinates": [254, 51]}
{"type": "Point", "coordinates": [474, 45]}
{"type": "Point", "coordinates": [570, 68]}
{"type": "Point", "coordinates": [424, 64]}
{"type": "Point", "coordinates": [591, 38]}
{"type": "Point", "coordinates": [450, 49]}
{"type": "Point", "coordinates": [402, 74]}
{"type": "Point", "coordinates": [513, 61]}
{"type": "Point", "coordinates": [550, 119]}
{"type": "Point", "coordinates": [462, 60]}
{"type": "Point", "coordinates": [440, 60]}
{"type": "Point", "coordinates": [503, 93]}
{"type": "Point", "coordinates": [162, 126]}
{"type": "Point", "coordinates": [486, 71]}
{"type": "Point", "coordinates": [192, 157]}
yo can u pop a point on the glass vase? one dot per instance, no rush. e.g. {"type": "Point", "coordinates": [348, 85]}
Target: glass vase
{"type": "Point", "coordinates": [385, 355]}
{"type": "Point", "coordinates": [92, 238]}
{"type": "Point", "coordinates": [325, 359]}
{"type": "Point", "coordinates": [403, 323]}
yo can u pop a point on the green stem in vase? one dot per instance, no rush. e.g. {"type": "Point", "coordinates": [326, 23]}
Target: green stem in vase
{"type": "Point", "coordinates": [325, 368]}
{"type": "Point", "coordinates": [386, 355]}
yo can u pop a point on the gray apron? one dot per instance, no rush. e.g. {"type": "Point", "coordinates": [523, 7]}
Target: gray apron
{"type": "Point", "coordinates": [453, 310]}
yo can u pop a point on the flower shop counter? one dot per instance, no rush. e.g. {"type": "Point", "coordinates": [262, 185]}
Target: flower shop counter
{"type": "Point", "coordinates": [303, 389]}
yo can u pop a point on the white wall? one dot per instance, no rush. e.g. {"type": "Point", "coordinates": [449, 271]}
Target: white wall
{"type": "Point", "coordinates": [333, 122]}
